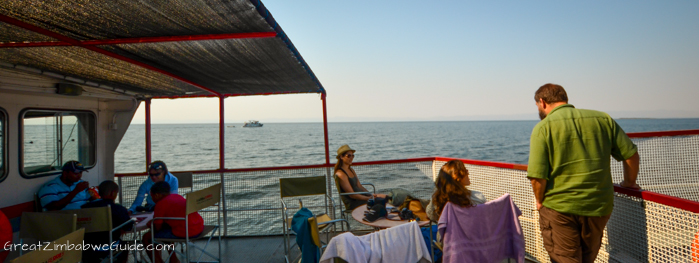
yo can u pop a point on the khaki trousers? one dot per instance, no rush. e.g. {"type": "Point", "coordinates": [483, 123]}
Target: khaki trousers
{"type": "Point", "coordinates": [571, 238]}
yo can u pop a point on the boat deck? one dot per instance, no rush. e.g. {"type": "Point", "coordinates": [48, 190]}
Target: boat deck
{"type": "Point", "coordinates": [263, 249]}
{"type": "Point", "coordinates": [259, 249]}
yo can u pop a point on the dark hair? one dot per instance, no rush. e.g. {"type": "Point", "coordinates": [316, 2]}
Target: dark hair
{"type": "Point", "coordinates": [339, 163]}
{"type": "Point", "coordinates": [450, 190]}
{"type": "Point", "coordinates": [107, 187]}
{"type": "Point", "coordinates": [160, 188]}
{"type": "Point", "coordinates": [161, 163]}
{"type": "Point", "coordinates": [551, 93]}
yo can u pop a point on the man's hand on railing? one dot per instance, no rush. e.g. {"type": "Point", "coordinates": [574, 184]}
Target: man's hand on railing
{"type": "Point", "coordinates": [634, 185]}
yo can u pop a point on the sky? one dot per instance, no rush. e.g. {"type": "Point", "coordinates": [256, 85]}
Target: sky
{"type": "Point", "coordinates": [475, 60]}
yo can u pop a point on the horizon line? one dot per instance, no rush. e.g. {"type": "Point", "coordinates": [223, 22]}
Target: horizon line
{"type": "Point", "coordinates": [310, 122]}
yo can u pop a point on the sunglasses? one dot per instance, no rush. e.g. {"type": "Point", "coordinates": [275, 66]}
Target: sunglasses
{"type": "Point", "coordinates": [155, 175]}
{"type": "Point", "coordinates": [349, 155]}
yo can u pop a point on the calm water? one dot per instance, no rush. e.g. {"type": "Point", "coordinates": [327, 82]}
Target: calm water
{"type": "Point", "coordinates": [195, 146]}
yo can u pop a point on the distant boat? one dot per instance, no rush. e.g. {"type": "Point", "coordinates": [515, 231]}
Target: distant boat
{"type": "Point", "coordinates": [230, 126]}
{"type": "Point", "coordinates": [252, 124]}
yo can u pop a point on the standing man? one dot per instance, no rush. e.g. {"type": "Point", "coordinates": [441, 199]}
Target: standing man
{"type": "Point", "coordinates": [569, 168]}
{"type": "Point", "coordinates": [67, 191]}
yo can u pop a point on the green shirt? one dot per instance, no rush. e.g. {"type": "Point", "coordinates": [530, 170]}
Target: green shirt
{"type": "Point", "coordinates": [570, 148]}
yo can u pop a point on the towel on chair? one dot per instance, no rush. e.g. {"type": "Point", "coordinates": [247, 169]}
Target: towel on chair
{"type": "Point", "coordinates": [348, 247]}
{"type": "Point", "coordinates": [488, 232]}
{"type": "Point", "coordinates": [403, 243]}
{"type": "Point", "coordinates": [309, 251]}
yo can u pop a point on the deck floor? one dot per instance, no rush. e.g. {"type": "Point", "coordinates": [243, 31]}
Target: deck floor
{"type": "Point", "coordinates": [244, 249]}
{"type": "Point", "coordinates": [267, 249]}
{"type": "Point", "coordinates": [264, 249]}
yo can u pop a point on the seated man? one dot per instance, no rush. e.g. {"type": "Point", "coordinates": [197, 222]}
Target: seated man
{"type": "Point", "coordinates": [67, 191]}
{"type": "Point", "coordinates": [108, 190]}
{"type": "Point", "coordinates": [171, 205]}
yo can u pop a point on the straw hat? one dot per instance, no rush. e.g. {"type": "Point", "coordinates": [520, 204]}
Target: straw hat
{"type": "Point", "coordinates": [343, 149]}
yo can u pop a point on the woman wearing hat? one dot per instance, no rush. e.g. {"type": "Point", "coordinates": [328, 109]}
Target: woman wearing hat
{"type": "Point", "coordinates": [347, 180]}
{"type": "Point", "coordinates": [157, 172]}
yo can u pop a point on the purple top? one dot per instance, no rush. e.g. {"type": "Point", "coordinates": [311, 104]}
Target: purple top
{"type": "Point", "coordinates": [489, 232]}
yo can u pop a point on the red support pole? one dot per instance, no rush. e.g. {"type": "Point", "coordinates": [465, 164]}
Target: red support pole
{"type": "Point", "coordinates": [325, 129]}
{"type": "Point", "coordinates": [140, 40]}
{"type": "Point", "coordinates": [222, 161]}
{"type": "Point", "coordinates": [232, 94]}
{"type": "Point", "coordinates": [148, 141]}
{"type": "Point", "coordinates": [221, 136]}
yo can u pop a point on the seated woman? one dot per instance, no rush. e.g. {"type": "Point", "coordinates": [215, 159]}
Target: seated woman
{"type": "Point", "coordinates": [157, 173]}
{"type": "Point", "coordinates": [451, 187]}
{"type": "Point", "coordinates": [347, 180]}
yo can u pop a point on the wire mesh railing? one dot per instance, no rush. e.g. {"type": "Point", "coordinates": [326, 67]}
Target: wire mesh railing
{"type": "Point", "coordinates": [253, 203]}
{"type": "Point", "coordinates": [644, 227]}
{"type": "Point", "coordinates": [669, 163]}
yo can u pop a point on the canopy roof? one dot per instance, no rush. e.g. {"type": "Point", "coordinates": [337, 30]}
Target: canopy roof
{"type": "Point", "coordinates": [155, 48]}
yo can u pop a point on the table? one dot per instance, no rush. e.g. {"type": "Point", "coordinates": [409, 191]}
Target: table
{"type": "Point", "coordinates": [358, 214]}
{"type": "Point", "coordinates": [143, 224]}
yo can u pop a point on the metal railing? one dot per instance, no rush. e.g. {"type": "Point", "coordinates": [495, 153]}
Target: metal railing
{"type": "Point", "coordinates": [645, 226]}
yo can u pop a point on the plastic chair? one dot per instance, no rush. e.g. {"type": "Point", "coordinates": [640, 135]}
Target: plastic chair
{"type": "Point", "coordinates": [316, 226]}
{"type": "Point", "coordinates": [59, 252]}
{"type": "Point", "coordinates": [196, 201]}
{"type": "Point", "coordinates": [45, 227]}
{"type": "Point", "coordinates": [345, 211]}
{"type": "Point", "coordinates": [306, 186]}
{"type": "Point", "coordinates": [184, 180]}
{"type": "Point", "coordinates": [95, 220]}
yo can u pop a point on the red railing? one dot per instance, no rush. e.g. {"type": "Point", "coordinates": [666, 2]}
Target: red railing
{"type": "Point", "coordinates": [663, 133]}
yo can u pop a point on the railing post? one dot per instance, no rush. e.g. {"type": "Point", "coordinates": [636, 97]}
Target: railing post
{"type": "Point", "coordinates": [325, 129]}
{"type": "Point", "coordinates": [148, 140]}
{"type": "Point", "coordinates": [222, 160]}
{"type": "Point", "coordinates": [434, 168]}
{"type": "Point", "coordinates": [328, 176]}
{"type": "Point", "coordinates": [121, 186]}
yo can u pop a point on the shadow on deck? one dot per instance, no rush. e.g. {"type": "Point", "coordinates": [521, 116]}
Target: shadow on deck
{"type": "Point", "coordinates": [265, 249]}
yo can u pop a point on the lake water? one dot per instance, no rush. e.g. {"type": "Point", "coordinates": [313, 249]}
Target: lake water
{"type": "Point", "coordinates": [195, 146]}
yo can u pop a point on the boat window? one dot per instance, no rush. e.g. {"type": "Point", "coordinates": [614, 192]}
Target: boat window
{"type": "Point", "coordinates": [3, 144]}
{"type": "Point", "coordinates": [51, 138]}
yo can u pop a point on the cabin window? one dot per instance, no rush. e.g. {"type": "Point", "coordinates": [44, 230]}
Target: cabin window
{"type": "Point", "coordinates": [51, 138]}
{"type": "Point", "coordinates": [3, 144]}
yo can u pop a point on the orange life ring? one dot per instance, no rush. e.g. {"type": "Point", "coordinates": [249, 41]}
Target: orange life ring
{"type": "Point", "coordinates": [695, 248]}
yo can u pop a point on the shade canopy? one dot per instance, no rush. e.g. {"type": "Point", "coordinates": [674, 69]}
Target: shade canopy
{"type": "Point", "coordinates": [155, 48]}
